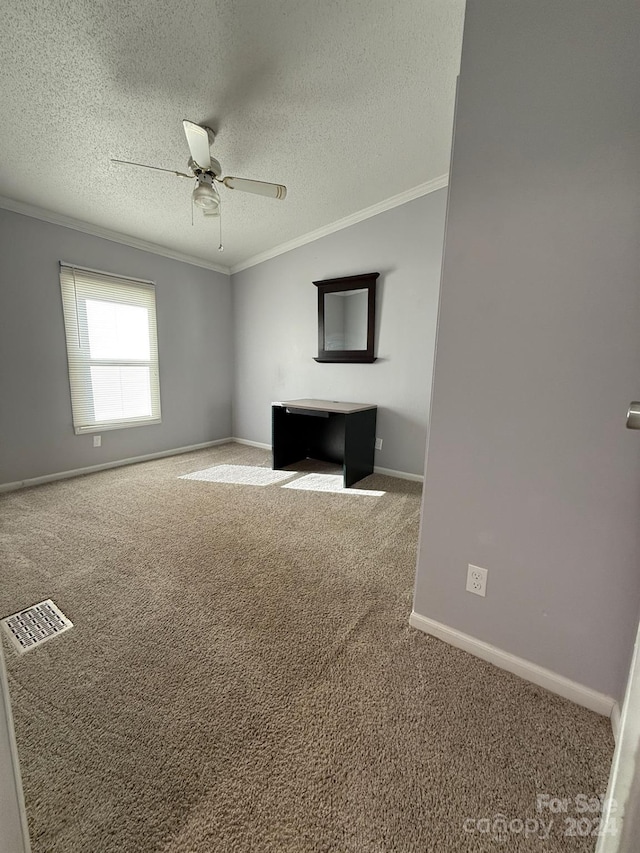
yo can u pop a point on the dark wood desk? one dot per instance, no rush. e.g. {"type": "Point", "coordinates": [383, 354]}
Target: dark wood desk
{"type": "Point", "coordinates": [325, 429]}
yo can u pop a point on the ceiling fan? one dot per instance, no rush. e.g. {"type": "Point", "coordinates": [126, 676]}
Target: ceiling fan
{"type": "Point", "coordinates": [207, 171]}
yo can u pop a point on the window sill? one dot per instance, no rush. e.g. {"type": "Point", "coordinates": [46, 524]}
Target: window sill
{"type": "Point", "coordinates": [111, 425]}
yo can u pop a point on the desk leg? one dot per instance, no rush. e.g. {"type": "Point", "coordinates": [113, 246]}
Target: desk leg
{"type": "Point", "coordinates": [288, 440]}
{"type": "Point", "coordinates": [359, 445]}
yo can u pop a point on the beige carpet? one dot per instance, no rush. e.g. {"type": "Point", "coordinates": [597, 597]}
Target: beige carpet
{"type": "Point", "coordinates": [242, 677]}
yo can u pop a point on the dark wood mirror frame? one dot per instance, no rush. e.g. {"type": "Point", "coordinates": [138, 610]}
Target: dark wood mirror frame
{"type": "Point", "coordinates": [367, 282]}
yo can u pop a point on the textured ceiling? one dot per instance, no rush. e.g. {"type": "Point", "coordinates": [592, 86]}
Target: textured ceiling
{"type": "Point", "coordinates": [347, 102]}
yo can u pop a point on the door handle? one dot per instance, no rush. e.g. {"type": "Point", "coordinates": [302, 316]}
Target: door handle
{"type": "Point", "coordinates": [633, 415]}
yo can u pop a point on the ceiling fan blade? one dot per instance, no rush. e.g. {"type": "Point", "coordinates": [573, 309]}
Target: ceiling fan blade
{"type": "Point", "coordinates": [155, 168]}
{"type": "Point", "coordinates": [198, 142]}
{"type": "Point", "coordinates": [257, 187]}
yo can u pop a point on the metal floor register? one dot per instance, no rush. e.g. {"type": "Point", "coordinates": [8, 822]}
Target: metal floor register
{"type": "Point", "coordinates": [35, 625]}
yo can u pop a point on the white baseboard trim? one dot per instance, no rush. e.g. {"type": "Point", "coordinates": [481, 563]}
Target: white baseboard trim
{"type": "Point", "coordinates": [578, 693]}
{"type": "Point", "coordinates": [615, 721]}
{"type": "Point", "coordinates": [389, 472]}
{"type": "Point", "coordinates": [252, 443]}
{"type": "Point", "coordinates": [401, 475]}
{"type": "Point", "coordinates": [90, 469]}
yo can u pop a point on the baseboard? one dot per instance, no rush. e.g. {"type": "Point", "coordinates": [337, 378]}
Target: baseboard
{"type": "Point", "coordinates": [552, 681]}
{"type": "Point", "coordinates": [389, 472]}
{"type": "Point", "coordinates": [90, 469]}
{"type": "Point", "coordinates": [252, 443]}
{"type": "Point", "coordinates": [615, 721]}
{"type": "Point", "coordinates": [401, 475]}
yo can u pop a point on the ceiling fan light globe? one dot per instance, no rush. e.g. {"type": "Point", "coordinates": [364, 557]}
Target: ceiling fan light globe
{"type": "Point", "coordinates": [206, 197]}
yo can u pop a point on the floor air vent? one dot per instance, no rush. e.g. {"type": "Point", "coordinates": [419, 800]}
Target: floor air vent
{"type": "Point", "coordinates": [35, 625]}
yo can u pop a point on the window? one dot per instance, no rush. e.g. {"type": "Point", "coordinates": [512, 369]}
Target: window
{"type": "Point", "coordinates": [112, 349]}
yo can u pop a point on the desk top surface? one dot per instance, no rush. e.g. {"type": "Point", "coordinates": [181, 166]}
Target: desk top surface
{"type": "Point", "coordinates": [326, 406]}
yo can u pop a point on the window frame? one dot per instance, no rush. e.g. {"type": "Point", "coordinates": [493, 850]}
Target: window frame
{"type": "Point", "coordinates": [77, 286]}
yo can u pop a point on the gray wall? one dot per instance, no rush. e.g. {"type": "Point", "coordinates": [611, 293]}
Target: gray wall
{"type": "Point", "coordinates": [530, 471]}
{"type": "Point", "coordinates": [194, 338]}
{"type": "Point", "coordinates": [276, 328]}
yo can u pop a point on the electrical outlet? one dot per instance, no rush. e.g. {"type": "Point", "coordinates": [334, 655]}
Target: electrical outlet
{"type": "Point", "coordinates": [378, 444]}
{"type": "Point", "coordinates": [477, 580]}
{"type": "Point", "coordinates": [97, 441]}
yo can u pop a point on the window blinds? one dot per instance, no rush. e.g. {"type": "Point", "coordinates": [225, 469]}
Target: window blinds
{"type": "Point", "coordinates": [112, 349]}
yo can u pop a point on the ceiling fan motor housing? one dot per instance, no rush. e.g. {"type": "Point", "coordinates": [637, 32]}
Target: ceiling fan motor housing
{"type": "Point", "coordinates": [214, 169]}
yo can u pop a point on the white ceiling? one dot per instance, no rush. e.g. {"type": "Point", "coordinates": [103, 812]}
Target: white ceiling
{"type": "Point", "coordinates": [347, 102]}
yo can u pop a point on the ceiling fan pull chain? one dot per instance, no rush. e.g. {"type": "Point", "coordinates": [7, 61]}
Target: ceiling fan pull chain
{"type": "Point", "coordinates": [220, 246]}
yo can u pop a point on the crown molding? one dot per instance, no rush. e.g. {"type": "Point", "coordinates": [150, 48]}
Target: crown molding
{"type": "Point", "coordinates": [389, 203]}
{"type": "Point", "coordinates": [116, 237]}
{"type": "Point", "coordinates": [106, 234]}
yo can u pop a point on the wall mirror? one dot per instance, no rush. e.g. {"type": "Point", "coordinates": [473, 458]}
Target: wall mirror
{"type": "Point", "coordinates": [347, 318]}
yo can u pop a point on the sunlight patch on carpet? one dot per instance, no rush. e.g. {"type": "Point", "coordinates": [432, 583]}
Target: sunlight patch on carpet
{"type": "Point", "coordinates": [35, 625]}
{"type": "Point", "coordinates": [329, 483]}
{"type": "Point", "coordinates": [245, 475]}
